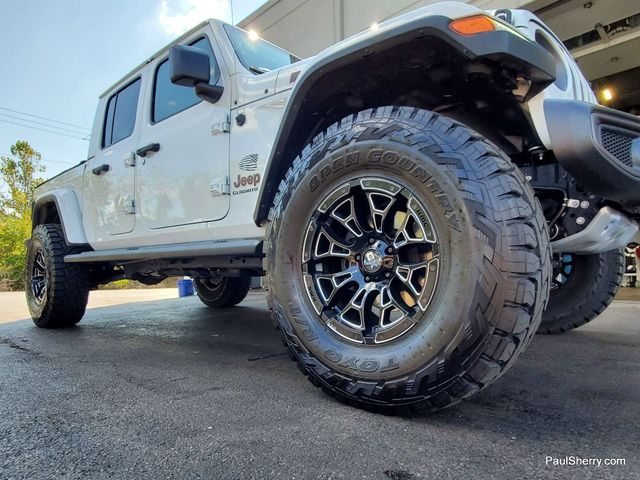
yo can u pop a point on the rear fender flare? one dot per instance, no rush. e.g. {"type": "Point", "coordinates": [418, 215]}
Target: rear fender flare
{"type": "Point", "coordinates": [68, 208]}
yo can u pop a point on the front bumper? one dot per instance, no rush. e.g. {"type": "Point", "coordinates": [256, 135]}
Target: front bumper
{"type": "Point", "coordinates": [599, 147]}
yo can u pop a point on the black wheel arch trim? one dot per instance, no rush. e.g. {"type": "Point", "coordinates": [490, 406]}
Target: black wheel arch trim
{"type": "Point", "coordinates": [500, 45]}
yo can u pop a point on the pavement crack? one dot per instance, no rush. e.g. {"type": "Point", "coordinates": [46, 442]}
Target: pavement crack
{"type": "Point", "coordinates": [262, 357]}
{"type": "Point", "coordinates": [399, 474]}
{"type": "Point", "coordinates": [16, 346]}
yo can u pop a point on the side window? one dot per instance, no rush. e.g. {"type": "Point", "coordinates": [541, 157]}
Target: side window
{"type": "Point", "coordinates": [168, 98]}
{"type": "Point", "coordinates": [108, 124]}
{"type": "Point", "coordinates": [121, 114]}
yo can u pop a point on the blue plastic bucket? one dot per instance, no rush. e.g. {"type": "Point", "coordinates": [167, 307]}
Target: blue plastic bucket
{"type": "Point", "coordinates": [185, 287]}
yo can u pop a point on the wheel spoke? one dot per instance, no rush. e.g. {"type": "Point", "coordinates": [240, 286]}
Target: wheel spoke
{"type": "Point", "coordinates": [411, 229]}
{"type": "Point", "coordinates": [379, 204]}
{"type": "Point", "coordinates": [388, 304]}
{"type": "Point", "coordinates": [358, 304]}
{"type": "Point", "coordinates": [38, 285]}
{"type": "Point", "coordinates": [407, 274]}
{"type": "Point", "coordinates": [345, 214]}
{"type": "Point", "coordinates": [327, 245]}
{"type": "Point", "coordinates": [39, 261]}
{"type": "Point", "coordinates": [403, 236]}
{"type": "Point", "coordinates": [330, 283]}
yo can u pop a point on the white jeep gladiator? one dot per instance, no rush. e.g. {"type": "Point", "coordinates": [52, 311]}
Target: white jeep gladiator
{"type": "Point", "coordinates": [415, 196]}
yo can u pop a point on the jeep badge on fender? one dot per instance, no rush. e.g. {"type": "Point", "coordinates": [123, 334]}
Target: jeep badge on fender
{"type": "Point", "coordinates": [244, 180]}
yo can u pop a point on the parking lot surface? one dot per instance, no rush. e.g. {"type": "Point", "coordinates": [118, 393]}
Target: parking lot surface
{"type": "Point", "coordinates": [172, 389]}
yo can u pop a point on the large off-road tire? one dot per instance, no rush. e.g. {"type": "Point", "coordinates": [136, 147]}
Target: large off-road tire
{"type": "Point", "coordinates": [57, 292]}
{"type": "Point", "coordinates": [227, 292]}
{"type": "Point", "coordinates": [582, 287]}
{"type": "Point", "coordinates": [408, 260]}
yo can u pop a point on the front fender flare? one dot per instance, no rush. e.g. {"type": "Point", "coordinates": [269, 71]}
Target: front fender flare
{"type": "Point", "coordinates": [502, 45]}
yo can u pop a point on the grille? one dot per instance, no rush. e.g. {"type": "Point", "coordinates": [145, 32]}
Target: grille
{"type": "Point", "coordinates": [617, 145]}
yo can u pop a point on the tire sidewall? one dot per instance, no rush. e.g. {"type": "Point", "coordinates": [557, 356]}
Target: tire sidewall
{"type": "Point", "coordinates": [586, 286]}
{"type": "Point", "coordinates": [229, 292]}
{"type": "Point", "coordinates": [585, 269]}
{"type": "Point", "coordinates": [207, 293]}
{"type": "Point", "coordinates": [441, 326]}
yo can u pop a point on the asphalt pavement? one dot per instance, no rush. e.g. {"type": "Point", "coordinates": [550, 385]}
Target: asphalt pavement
{"type": "Point", "coordinates": [173, 389]}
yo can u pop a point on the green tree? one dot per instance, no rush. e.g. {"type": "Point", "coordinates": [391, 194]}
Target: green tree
{"type": "Point", "coordinates": [20, 176]}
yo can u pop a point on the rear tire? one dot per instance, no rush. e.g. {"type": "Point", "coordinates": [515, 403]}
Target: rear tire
{"type": "Point", "coordinates": [473, 313]}
{"type": "Point", "coordinates": [228, 292]}
{"type": "Point", "coordinates": [57, 292]}
{"type": "Point", "coordinates": [583, 286]}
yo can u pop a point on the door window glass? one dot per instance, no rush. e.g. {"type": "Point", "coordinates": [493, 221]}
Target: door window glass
{"type": "Point", "coordinates": [169, 98]}
{"type": "Point", "coordinates": [121, 114]}
{"type": "Point", "coordinates": [108, 124]}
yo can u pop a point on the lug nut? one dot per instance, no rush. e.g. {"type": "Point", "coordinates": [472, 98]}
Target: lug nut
{"type": "Point", "coordinates": [584, 204]}
{"type": "Point", "coordinates": [580, 220]}
{"type": "Point", "coordinates": [367, 279]}
{"type": "Point", "coordinates": [389, 250]}
{"type": "Point", "coordinates": [371, 240]}
{"type": "Point", "coordinates": [357, 257]}
{"type": "Point", "coordinates": [387, 274]}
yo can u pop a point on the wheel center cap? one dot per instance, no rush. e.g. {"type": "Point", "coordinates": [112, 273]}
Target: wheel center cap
{"type": "Point", "coordinates": [372, 260]}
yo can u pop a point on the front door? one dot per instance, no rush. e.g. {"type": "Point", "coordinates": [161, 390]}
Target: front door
{"type": "Point", "coordinates": [109, 178]}
{"type": "Point", "coordinates": [183, 181]}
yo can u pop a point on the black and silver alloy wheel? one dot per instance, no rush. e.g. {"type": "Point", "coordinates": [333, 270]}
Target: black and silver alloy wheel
{"type": "Point", "coordinates": [39, 278]}
{"type": "Point", "coordinates": [370, 260]}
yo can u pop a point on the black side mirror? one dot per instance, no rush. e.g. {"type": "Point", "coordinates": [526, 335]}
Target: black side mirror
{"type": "Point", "coordinates": [190, 67]}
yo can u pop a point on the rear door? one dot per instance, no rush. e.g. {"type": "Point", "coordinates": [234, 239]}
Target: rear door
{"type": "Point", "coordinates": [109, 179]}
{"type": "Point", "coordinates": [185, 181]}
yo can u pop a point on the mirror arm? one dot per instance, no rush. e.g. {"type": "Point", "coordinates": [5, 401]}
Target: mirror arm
{"type": "Point", "coordinates": [210, 93]}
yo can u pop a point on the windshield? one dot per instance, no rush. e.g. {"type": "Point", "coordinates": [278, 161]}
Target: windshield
{"type": "Point", "coordinates": [257, 55]}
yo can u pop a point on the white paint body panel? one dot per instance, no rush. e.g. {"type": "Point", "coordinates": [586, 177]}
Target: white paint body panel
{"type": "Point", "coordinates": [570, 83]}
{"type": "Point", "coordinates": [173, 184]}
{"type": "Point", "coordinates": [172, 187]}
{"type": "Point", "coordinates": [108, 196]}
{"type": "Point", "coordinates": [255, 137]}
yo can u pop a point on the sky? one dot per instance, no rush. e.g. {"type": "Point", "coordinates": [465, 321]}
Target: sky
{"type": "Point", "coordinates": [58, 56]}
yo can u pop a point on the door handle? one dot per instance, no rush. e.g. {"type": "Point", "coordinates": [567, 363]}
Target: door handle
{"type": "Point", "coordinates": [152, 147]}
{"type": "Point", "coordinates": [101, 169]}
